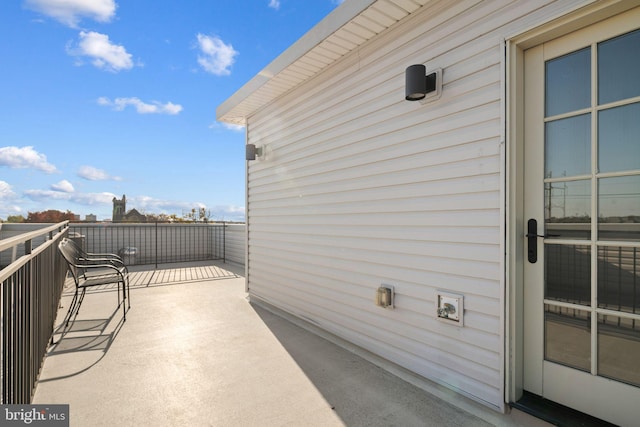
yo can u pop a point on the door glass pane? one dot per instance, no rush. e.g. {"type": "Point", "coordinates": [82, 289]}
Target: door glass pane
{"type": "Point", "coordinates": [568, 147]}
{"type": "Point", "coordinates": [619, 348]}
{"type": "Point", "coordinates": [568, 273]}
{"type": "Point", "coordinates": [568, 83]}
{"type": "Point", "coordinates": [567, 337]}
{"type": "Point", "coordinates": [619, 138]}
{"type": "Point", "coordinates": [567, 207]}
{"type": "Point", "coordinates": [618, 65]}
{"type": "Point", "coordinates": [619, 208]}
{"type": "Point", "coordinates": [619, 278]}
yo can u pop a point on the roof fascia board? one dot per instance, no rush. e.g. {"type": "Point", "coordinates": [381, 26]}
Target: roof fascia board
{"type": "Point", "coordinates": [341, 16]}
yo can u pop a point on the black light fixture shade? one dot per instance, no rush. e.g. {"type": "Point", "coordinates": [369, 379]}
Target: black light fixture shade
{"type": "Point", "coordinates": [417, 83]}
{"type": "Point", "coordinates": [251, 152]}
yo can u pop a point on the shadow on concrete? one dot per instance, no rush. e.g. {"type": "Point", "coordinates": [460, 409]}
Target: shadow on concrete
{"type": "Point", "coordinates": [146, 276]}
{"type": "Point", "coordinates": [361, 393]}
{"type": "Point", "coordinates": [93, 337]}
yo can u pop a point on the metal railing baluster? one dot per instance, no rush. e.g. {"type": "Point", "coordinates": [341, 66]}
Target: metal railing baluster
{"type": "Point", "coordinates": [156, 243]}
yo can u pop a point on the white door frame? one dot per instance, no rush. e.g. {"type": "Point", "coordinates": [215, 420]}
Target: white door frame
{"type": "Point", "coordinates": [515, 164]}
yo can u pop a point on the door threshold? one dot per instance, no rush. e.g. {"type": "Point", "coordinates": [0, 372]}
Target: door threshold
{"type": "Point", "coordinates": [555, 413]}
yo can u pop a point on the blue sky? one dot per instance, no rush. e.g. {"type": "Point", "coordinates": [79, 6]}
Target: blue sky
{"type": "Point", "coordinates": [103, 97]}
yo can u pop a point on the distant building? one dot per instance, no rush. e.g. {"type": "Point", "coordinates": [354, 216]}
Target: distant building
{"type": "Point", "coordinates": [90, 218]}
{"type": "Point", "coordinates": [119, 208]}
{"type": "Point", "coordinates": [134, 216]}
{"type": "Point", "coordinates": [120, 213]}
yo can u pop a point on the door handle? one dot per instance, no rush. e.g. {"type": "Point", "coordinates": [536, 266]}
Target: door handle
{"type": "Point", "coordinates": [537, 235]}
{"type": "Point", "coordinates": [532, 242]}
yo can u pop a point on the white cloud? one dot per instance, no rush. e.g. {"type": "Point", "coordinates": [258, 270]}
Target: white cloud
{"type": "Point", "coordinates": [216, 57]}
{"type": "Point", "coordinates": [91, 199]}
{"type": "Point", "coordinates": [93, 174]}
{"type": "Point", "coordinates": [69, 12]}
{"type": "Point", "coordinates": [13, 209]}
{"type": "Point", "coordinates": [274, 4]}
{"type": "Point", "coordinates": [47, 194]}
{"type": "Point", "coordinates": [88, 199]}
{"type": "Point", "coordinates": [235, 128]}
{"type": "Point", "coordinates": [227, 126]}
{"type": "Point", "coordinates": [105, 55]}
{"type": "Point", "coordinates": [151, 205]}
{"type": "Point", "coordinates": [64, 186]}
{"type": "Point", "coordinates": [23, 158]}
{"type": "Point", "coordinates": [5, 191]}
{"type": "Point", "coordinates": [228, 213]}
{"type": "Point", "coordinates": [141, 107]}
{"type": "Point", "coordinates": [7, 195]}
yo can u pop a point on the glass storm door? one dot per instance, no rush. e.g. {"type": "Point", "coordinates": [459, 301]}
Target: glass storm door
{"type": "Point", "coordinates": [582, 199]}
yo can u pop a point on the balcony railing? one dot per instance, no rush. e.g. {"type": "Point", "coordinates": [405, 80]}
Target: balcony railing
{"type": "Point", "coordinates": [33, 274]}
{"type": "Point", "coordinates": [154, 243]}
{"type": "Point", "coordinates": [31, 289]}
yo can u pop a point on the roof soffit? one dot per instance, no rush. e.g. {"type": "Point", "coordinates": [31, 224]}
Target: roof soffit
{"type": "Point", "coordinates": [344, 30]}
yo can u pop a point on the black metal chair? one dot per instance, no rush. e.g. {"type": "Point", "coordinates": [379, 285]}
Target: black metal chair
{"type": "Point", "coordinates": [89, 270]}
{"type": "Point", "coordinates": [99, 258]}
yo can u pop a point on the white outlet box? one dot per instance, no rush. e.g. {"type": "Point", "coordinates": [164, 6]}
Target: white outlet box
{"type": "Point", "coordinates": [450, 308]}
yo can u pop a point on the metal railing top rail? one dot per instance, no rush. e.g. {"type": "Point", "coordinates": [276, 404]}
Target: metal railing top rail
{"type": "Point", "coordinates": [22, 238]}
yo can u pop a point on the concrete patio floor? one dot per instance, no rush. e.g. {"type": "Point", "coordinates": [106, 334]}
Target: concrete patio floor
{"type": "Point", "coordinates": [195, 352]}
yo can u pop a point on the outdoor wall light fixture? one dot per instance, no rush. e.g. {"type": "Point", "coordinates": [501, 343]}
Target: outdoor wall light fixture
{"type": "Point", "coordinates": [252, 151]}
{"type": "Point", "coordinates": [419, 84]}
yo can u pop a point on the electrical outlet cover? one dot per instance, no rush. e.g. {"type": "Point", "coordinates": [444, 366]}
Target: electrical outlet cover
{"type": "Point", "coordinates": [450, 308]}
{"type": "Point", "coordinates": [385, 296]}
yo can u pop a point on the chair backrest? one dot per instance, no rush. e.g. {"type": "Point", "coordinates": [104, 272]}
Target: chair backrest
{"type": "Point", "coordinates": [84, 255]}
{"type": "Point", "coordinates": [70, 254]}
{"type": "Point", "coordinates": [79, 251]}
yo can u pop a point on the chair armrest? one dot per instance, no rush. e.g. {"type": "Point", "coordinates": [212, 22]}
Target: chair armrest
{"type": "Point", "coordinates": [113, 259]}
{"type": "Point", "coordinates": [98, 256]}
{"type": "Point", "coordinates": [101, 255]}
{"type": "Point", "coordinates": [91, 266]}
{"type": "Point", "coordinates": [93, 260]}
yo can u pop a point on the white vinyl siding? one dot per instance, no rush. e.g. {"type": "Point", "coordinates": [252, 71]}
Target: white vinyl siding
{"type": "Point", "coordinates": [359, 187]}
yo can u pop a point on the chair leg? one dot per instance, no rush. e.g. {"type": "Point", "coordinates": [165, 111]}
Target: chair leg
{"type": "Point", "coordinates": [75, 305]}
{"type": "Point", "coordinates": [67, 318]}
{"type": "Point", "coordinates": [82, 294]}
{"type": "Point", "coordinates": [124, 301]}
